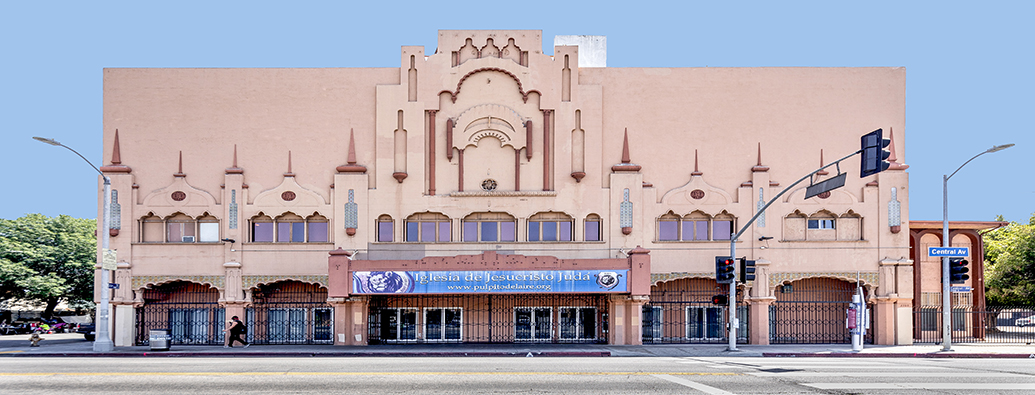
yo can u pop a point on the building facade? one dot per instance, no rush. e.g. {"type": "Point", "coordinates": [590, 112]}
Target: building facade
{"type": "Point", "coordinates": [489, 192]}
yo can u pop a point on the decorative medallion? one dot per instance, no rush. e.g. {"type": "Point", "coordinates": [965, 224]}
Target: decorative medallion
{"type": "Point", "coordinates": [697, 194]}
{"type": "Point", "coordinates": [288, 196]}
{"type": "Point", "coordinates": [489, 185]}
{"type": "Point", "coordinates": [824, 195]}
{"type": "Point", "coordinates": [179, 196]}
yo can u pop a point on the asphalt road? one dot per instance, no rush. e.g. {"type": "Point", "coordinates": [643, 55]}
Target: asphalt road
{"type": "Point", "coordinates": [736, 375]}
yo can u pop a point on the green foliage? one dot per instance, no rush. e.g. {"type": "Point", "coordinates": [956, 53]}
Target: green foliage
{"type": "Point", "coordinates": [47, 260]}
{"type": "Point", "coordinates": [1010, 264]}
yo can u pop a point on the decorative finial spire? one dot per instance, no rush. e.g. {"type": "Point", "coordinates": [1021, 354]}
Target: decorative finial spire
{"type": "Point", "coordinates": [758, 167]}
{"type": "Point", "coordinates": [893, 158]}
{"type": "Point", "coordinates": [626, 164]}
{"type": "Point", "coordinates": [234, 169]}
{"type": "Point", "coordinates": [697, 171]}
{"type": "Point", "coordinates": [289, 173]}
{"type": "Point", "coordinates": [821, 164]}
{"type": "Point", "coordinates": [352, 167]}
{"type": "Point", "coordinates": [116, 165]}
{"type": "Point", "coordinates": [179, 167]}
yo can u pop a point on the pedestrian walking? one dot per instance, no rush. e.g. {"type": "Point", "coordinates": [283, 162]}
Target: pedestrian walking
{"type": "Point", "coordinates": [235, 328]}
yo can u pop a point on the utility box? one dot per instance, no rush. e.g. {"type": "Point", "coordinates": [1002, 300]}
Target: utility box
{"type": "Point", "coordinates": [159, 339]}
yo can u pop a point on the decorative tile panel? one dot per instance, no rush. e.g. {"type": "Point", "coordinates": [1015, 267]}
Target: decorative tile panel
{"type": "Point", "coordinates": [351, 219]}
{"type": "Point", "coordinates": [761, 203]}
{"type": "Point", "coordinates": [233, 209]}
{"type": "Point", "coordinates": [625, 211]}
{"type": "Point", "coordinates": [115, 221]}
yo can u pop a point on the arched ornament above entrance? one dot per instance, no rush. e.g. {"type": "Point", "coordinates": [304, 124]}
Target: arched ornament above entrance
{"type": "Point", "coordinates": [869, 279]}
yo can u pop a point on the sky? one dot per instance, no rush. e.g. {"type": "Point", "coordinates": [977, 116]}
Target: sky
{"type": "Point", "coordinates": [970, 80]}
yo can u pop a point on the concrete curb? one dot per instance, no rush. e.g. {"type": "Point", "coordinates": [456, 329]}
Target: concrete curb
{"type": "Point", "coordinates": [894, 355]}
{"type": "Point", "coordinates": [166, 354]}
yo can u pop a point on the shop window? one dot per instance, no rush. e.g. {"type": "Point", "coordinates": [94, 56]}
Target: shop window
{"type": "Point", "coordinates": [705, 323]}
{"type": "Point", "coordinates": [443, 324]}
{"type": "Point", "coordinates": [651, 323]}
{"type": "Point", "coordinates": [398, 324]}
{"type": "Point", "coordinates": [593, 228]}
{"type": "Point", "coordinates": [489, 227]}
{"type": "Point", "coordinates": [578, 323]}
{"type": "Point", "coordinates": [550, 226]}
{"type": "Point", "coordinates": [532, 323]}
{"type": "Point", "coordinates": [428, 228]}
{"type": "Point", "coordinates": [385, 228]}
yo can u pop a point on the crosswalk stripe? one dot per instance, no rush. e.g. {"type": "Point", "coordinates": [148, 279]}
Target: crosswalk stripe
{"type": "Point", "coordinates": [695, 385]}
{"type": "Point", "coordinates": [922, 386]}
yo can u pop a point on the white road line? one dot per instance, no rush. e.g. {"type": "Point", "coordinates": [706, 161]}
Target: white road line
{"type": "Point", "coordinates": [697, 386]}
{"type": "Point", "coordinates": [858, 367]}
{"type": "Point", "coordinates": [922, 386]}
{"type": "Point", "coordinates": [884, 374]}
{"type": "Point", "coordinates": [727, 367]}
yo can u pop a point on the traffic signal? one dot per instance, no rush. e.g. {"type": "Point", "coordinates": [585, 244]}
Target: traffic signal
{"type": "Point", "coordinates": [747, 270]}
{"type": "Point", "coordinates": [720, 299]}
{"type": "Point", "coordinates": [724, 267]}
{"type": "Point", "coordinates": [874, 154]}
{"type": "Point", "coordinates": [958, 270]}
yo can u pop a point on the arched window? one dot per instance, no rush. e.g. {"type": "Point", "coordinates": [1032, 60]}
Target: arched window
{"type": "Point", "coordinates": [180, 228]}
{"type": "Point", "coordinates": [550, 226]}
{"type": "Point", "coordinates": [593, 228]}
{"type": "Point", "coordinates": [489, 227]}
{"type": "Point", "coordinates": [668, 227]}
{"type": "Point", "coordinates": [722, 226]}
{"type": "Point", "coordinates": [385, 228]}
{"type": "Point", "coordinates": [316, 229]}
{"type": "Point", "coordinates": [428, 228]}
{"type": "Point", "coordinates": [208, 229]}
{"type": "Point", "coordinates": [290, 228]}
{"type": "Point", "coordinates": [822, 226]}
{"type": "Point", "coordinates": [696, 226]}
{"type": "Point", "coordinates": [151, 229]}
{"type": "Point", "coordinates": [262, 229]}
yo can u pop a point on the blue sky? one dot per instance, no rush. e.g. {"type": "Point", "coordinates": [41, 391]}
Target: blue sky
{"type": "Point", "coordinates": [969, 70]}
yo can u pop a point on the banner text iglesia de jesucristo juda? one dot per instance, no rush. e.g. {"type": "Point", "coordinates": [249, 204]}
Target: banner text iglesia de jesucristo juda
{"type": "Point", "coordinates": [512, 281]}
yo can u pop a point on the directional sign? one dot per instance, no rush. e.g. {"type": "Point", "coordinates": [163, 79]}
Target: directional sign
{"type": "Point", "coordinates": [113, 285]}
{"type": "Point", "coordinates": [960, 289]}
{"type": "Point", "coordinates": [948, 251]}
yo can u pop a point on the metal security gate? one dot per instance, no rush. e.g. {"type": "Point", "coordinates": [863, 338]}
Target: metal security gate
{"type": "Point", "coordinates": [488, 319]}
{"type": "Point", "coordinates": [681, 311]}
{"type": "Point", "coordinates": [189, 311]}
{"type": "Point", "coordinates": [996, 324]}
{"type": "Point", "coordinates": [813, 311]}
{"type": "Point", "coordinates": [290, 313]}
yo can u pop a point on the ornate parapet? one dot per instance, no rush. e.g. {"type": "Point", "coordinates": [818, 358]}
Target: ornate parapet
{"type": "Point", "coordinates": [658, 278]}
{"type": "Point", "coordinates": [867, 278]}
{"type": "Point", "coordinates": [248, 282]}
{"type": "Point", "coordinates": [218, 282]}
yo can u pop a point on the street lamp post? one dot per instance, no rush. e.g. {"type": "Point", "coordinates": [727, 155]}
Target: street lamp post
{"type": "Point", "coordinates": [102, 341]}
{"type": "Point", "coordinates": [946, 242]}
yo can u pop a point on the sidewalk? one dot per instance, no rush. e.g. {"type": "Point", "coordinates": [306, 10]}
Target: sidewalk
{"type": "Point", "coordinates": [73, 345]}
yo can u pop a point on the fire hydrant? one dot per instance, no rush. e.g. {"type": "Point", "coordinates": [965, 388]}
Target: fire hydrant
{"type": "Point", "coordinates": [34, 340]}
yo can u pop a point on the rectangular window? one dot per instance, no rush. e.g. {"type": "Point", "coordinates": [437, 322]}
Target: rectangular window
{"type": "Point", "coordinates": [490, 231]}
{"type": "Point", "coordinates": [508, 231]}
{"type": "Point", "coordinates": [411, 231]}
{"type": "Point", "coordinates": [427, 232]}
{"type": "Point", "coordinates": [722, 230]}
{"type": "Point", "coordinates": [592, 231]}
{"type": "Point", "coordinates": [322, 324]}
{"type": "Point", "coordinates": [286, 325]}
{"type": "Point", "coordinates": [701, 230]}
{"type": "Point", "coordinates": [668, 230]}
{"type": "Point", "coordinates": [578, 323]}
{"type": "Point", "coordinates": [705, 323]}
{"type": "Point", "coordinates": [445, 231]}
{"type": "Point", "coordinates": [398, 324]}
{"type": "Point", "coordinates": [532, 323]}
{"type": "Point", "coordinates": [262, 232]}
{"type": "Point", "coordinates": [290, 232]}
{"type": "Point", "coordinates": [651, 323]}
{"type": "Point", "coordinates": [180, 232]}
{"type": "Point", "coordinates": [318, 232]}
{"type": "Point", "coordinates": [209, 232]}
{"type": "Point", "coordinates": [821, 224]}
{"type": "Point", "coordinates": [533, 231]}
{"type": "Point", "coordinates": [442, 324]}
{"type": "Point", "coordinates": [385, 230]}
{"type": "Point", "coordinates": [153, 231]}
{"type": "Point", "coordinates": [470, 231]}
{"type": "Point", "coordinates": [565, 231]}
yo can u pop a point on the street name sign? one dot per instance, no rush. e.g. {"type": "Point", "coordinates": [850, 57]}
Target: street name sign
{"type": "Point", "coordinates": [948, 251]}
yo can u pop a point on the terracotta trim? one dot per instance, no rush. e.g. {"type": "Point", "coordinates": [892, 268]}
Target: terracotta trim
{"type": "Point", "coordinates": [528, 140]}
{"type": "Point", "coordinates": [546, 148]}
{"type": "Point", "coordinates": [449, 139]}
{"type": "Point", "coordinates": [460, 176]}
{"type": "Point", "coordinates": [517, 170]}
{"type": "Point", "coordinates": [431, 151]}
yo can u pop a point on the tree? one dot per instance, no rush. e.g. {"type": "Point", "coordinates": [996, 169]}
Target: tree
{"type": "Point", "coordinates": [1010, 264]}
{"type": "Point", "coordinates": [47, 260]}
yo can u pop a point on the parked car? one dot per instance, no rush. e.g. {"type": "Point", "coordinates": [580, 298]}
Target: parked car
{"type": "Point", "coordinates": [88, 331]}
{"type": "Point", "coordinates": [1026, 321]}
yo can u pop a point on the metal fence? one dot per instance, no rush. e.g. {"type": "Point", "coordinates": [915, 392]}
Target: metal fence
{"type": "Point", "coordinates": [289, 313]}
{"type": "Point", "coordinates": [190, 312]}
{"type": "Point", "coordinates": [813, 311]}
{"type": "Point", "coordinates": [488, 319]}
{"type": "Point", "coordinates": [995, 324]}
{"type": "Point", "coordinates": [682, 311]}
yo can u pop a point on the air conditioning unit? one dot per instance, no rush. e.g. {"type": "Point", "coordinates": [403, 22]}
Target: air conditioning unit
{"type": "Point", "coordinates": [188, 239]}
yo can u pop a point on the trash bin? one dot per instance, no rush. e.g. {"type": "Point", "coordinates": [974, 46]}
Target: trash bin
{"type": "Point", "coordinates": [159, 339]}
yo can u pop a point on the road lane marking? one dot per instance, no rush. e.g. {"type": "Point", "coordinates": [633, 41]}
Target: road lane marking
{"type": "Point", "coordinates": [922, 386]}
{"type": "Point", "coordinates": [370, 373]}
{"type": "Point", "coordinates": [11, 352]}
{"type": "Point", "coordinates": [883, 374]}
{"type": "Point", "coordinates": [691, 384]}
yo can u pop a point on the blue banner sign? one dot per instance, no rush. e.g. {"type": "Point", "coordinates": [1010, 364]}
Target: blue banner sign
{"type": "Point", "coordinates": [508, 281]}
{"type": "Point", "coordinates": [948, 251]}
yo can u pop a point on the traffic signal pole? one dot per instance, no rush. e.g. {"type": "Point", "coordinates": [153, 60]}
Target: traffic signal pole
{"type": "Point", "coordinates": [734, 322]}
